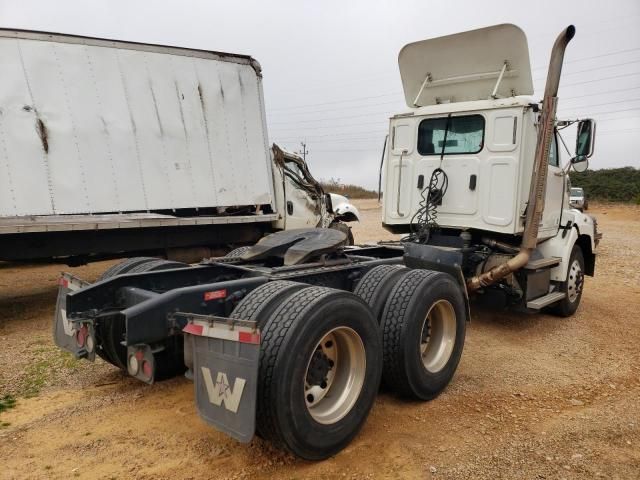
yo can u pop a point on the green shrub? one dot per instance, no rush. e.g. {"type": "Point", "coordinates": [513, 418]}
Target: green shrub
{"type": "Point", "coordinates": [609, 184]}
{"type": "Point", "coordinates": [7, 402]}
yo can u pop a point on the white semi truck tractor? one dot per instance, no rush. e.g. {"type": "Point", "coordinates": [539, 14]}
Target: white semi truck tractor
{"type": "Point", "coordinates": [290, 338]}
{"type": "Point", "coordinates": [474, 174]}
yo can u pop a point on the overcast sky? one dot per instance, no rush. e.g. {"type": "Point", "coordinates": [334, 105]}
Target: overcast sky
{"type": "Point", "coordinates": [330, 67]}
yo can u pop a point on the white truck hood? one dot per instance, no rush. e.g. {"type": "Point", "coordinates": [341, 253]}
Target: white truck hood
{"type": "Point", "coordinates": [466, 66]}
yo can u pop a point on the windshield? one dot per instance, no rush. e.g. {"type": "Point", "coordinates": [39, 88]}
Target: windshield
{"type": "Point", "coordinates": [576, 192]}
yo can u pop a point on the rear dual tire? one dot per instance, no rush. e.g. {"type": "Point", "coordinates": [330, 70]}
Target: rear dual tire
{"type": "Point", "coordinates": [320, 366]}
{"type": "Point", "coordinates": [320, 356]}
{"type": "Point", "coordinates": [423, 330]}
{"type": "Point", "coordinates": [124, 266]}
{"type": "Point", "coordinates": [422, 323]}
{"type": "Point", "coordinates": [376, 285]}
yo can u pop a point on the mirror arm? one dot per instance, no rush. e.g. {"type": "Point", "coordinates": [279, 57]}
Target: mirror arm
{"type": "Point", "coordinates": [563, 143]}
{"type": "Point", "coordinates": [567, 167]}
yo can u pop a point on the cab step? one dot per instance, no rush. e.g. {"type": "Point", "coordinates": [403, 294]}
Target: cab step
{"type": "Point", "coordinates": [546, 300]}
{"type": "Point", "coordinates": [542, 263]}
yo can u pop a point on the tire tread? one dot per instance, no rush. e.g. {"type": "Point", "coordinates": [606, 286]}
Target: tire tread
{"type": "Point", "coordinates": [158, 264]}
{"type": "Point", "coordinates": [393, 319]}
{"type": "Point", "coordinates": [237, 252]}
{"type": "Point", "coordinates": [252, 306]}
{"type": "Point", "coordinates": [124, 266]}
{"type": "Point", "coordinates": [274, 334]}
{"type": "Point", "coordinates": [376, 284]}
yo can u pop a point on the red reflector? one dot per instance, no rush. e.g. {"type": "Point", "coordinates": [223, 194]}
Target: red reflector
{"type": "Point", "coordinates": [215, 295]}
{"type": "Point", "coordinates": [81, 336]}
{"type": "Point", "coordinates": [248, 337]}
{"type": "Point", "coordinates": [139, 355]}
{"type": "Point", "coordinates": [146, 369]}
{"type": "Point", "coordinates": [63, 282]}
{"type": "Point", "coordinates": [193, 329]}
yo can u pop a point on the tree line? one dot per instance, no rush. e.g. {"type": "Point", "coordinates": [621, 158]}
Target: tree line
{"type": "Point", "coordinates": [609, 184]}
{"type": "Point", "coordinates": [334, 185]}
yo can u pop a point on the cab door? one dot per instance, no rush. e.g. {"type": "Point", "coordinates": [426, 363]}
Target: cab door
{"type": "Point", "coordinates": [554, 195]}
{"type": "Point", "coordinates": [302, 209]}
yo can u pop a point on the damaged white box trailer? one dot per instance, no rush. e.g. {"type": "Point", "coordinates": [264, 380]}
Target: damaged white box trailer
{"type": "Point", "coordinates": [110, 146]}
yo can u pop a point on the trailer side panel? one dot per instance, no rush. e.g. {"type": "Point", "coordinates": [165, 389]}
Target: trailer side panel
{"type": "Point", "coordinates": [94, 126]}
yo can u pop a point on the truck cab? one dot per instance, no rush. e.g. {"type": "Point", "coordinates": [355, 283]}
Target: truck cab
{"type": "Point", "coordinates": [462, 157]}
{"type": "Point", "coordinates": [488, 158]}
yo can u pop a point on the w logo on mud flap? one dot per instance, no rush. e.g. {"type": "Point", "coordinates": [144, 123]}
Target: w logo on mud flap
{"type": "Point", "coordinates": [221, 392]}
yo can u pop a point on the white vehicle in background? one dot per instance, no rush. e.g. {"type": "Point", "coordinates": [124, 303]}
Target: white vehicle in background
{"type": "Point", "coordinates": [577, 199]}
{"type": "Point", "coordinates": [109, 148]}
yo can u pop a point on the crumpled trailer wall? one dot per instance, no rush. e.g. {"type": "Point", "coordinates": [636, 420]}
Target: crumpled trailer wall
{"type": "Point", "coordinates": [95, 126]}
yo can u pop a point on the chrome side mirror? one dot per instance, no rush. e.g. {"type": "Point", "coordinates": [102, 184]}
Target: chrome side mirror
{"type": "Point", "coordinates": [581, 165]}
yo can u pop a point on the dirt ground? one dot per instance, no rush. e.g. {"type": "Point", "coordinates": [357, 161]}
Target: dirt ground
{"type": "Point", "coordinates": [535, 396]}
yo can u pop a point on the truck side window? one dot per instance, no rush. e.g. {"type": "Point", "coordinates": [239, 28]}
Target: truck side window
{"type": "Point", "coordinates": [553, 152]}
{"type": "Point", "coordinates": [464, 135]}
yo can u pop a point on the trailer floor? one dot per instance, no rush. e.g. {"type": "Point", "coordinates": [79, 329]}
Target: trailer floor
{"type": "Point", "coordinates": [534, 397]}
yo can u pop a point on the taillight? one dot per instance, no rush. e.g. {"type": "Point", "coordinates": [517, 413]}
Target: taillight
{"type": "Point", "coordinates": [140, 362]}
{"type": "Point", "coordinates": [147, 370]}
{"type": "Point", "coordinates": [81, 336]}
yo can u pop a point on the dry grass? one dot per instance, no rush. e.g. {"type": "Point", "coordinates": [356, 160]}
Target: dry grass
{"type": "Point", "coordinates": [348, 190]}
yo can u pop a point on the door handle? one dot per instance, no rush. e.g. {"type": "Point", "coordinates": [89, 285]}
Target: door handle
{"type": "Point", "coordinates": [400, 214]}
{"type": "Point", "coordinates": [472, 182]}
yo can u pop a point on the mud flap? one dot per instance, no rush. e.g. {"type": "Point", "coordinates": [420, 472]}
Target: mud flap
{"type": "Point", "coordinates": [226, 356]}
{"type": "Point", "coordinates": [77, 336]}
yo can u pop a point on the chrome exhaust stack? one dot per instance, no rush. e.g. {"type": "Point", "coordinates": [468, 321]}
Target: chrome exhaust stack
{"type": "Point", "coordinates": [535, 205]}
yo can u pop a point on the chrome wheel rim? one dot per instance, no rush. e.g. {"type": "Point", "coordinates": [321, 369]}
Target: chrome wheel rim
{"type": "Point", "coordinates": [335, 375]}
{"type": "Point", "coordinates": [438, 336]}
{"type": "Point", "coordinates": [575, 281]}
